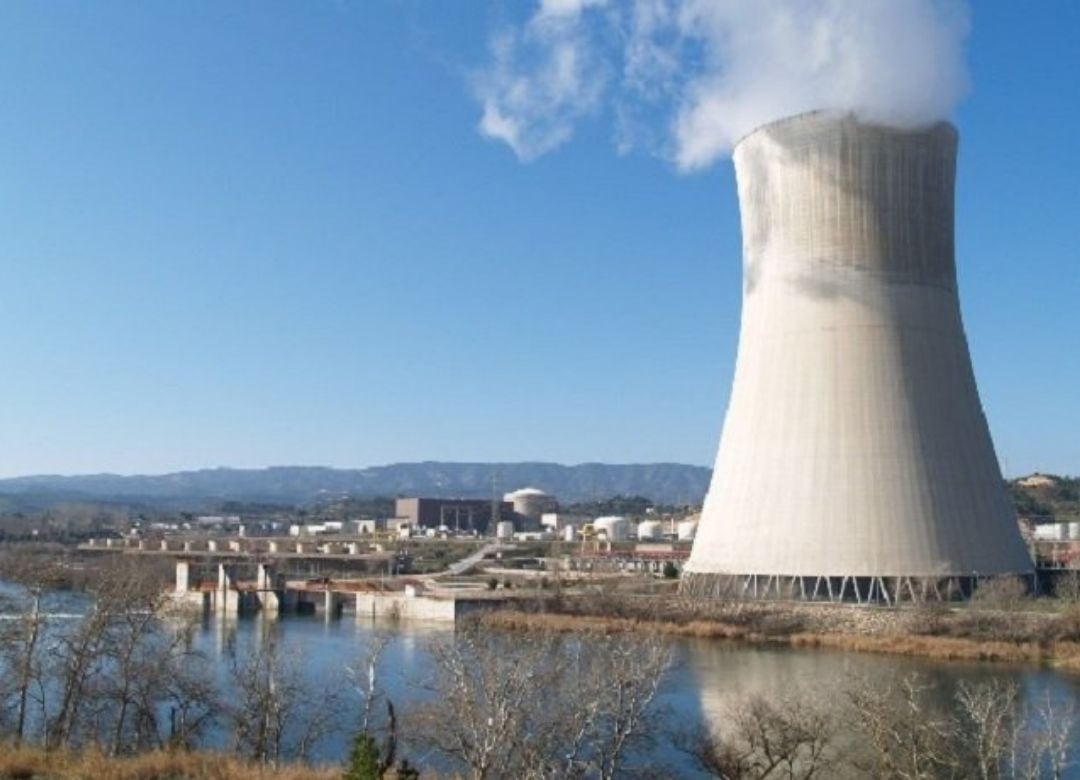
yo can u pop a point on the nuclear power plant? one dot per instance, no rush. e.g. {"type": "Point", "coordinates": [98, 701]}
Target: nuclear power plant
{"type": "Point", "coordinates": [855, 461]}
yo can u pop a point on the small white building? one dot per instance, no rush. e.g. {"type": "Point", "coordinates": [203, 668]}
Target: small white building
{"type": "Point", "coordinates": [314, 529]}
{"type": "Point", "coordinates": [369, 526]}
{"type": "Point", "coordinates": [557, 521]}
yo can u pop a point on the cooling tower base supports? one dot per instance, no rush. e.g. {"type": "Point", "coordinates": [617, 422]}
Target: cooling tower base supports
{"type": "Point", "coordinates": [888, 591]}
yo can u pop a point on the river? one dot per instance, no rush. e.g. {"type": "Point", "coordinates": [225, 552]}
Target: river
{"type": "Point", "coordinates": [705, 678]}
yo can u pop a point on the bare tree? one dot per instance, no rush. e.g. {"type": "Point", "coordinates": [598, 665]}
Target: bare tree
{"type": "Point", "coordinates": [906, 735]}
{"type": "Point", "coordinates": [481, 694]}
{"type": "Point", "coordinates": [988, 722]}
{"type": "Point", "coordinates": [368, 758]}
{"type": "Point", "coordinates": [625, 683]}
{"type": "Point", "coordinates": [277, 715]}
{"type": "Point", "coordinates": [78, 657]}
{"type": "Point", "coordinates": [20, 641]}
{"type": "Point", "coordinates": [762, 738]}
{"type": "Point", "coordinates": [132, 655]}
{"type": "Point", "coordinates": [190, 696]}
{"type": "Point", "coordinates": [114, 672]}
{"type": "Point", "coordinates": [550, 707]}
{"type": "Point", "coordinates": [155, 674]}
{"type": "Point", "coordinates": [1053, 729]}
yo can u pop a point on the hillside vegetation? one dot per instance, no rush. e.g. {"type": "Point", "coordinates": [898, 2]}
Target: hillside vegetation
{"type": "Point", "coordinates": [1047, 498]}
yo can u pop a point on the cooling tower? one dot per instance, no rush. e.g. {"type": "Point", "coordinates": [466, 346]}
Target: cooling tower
{"type": "Point", "coordinates": [855, 460]}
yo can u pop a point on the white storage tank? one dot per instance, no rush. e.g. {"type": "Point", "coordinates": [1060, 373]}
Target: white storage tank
{"type": "Point", "coordinates": [687, 530]}
{"type": "Point", "coordinates": [504, 530]}
{"type": "Point", "coordinates": [569, 533]}
{"type": "Point", "coordinates": [649, 531]}
{"type": "Point", "coordinates": [614, 528]}
{"type": "Point", "coordinates": [1074, 530]}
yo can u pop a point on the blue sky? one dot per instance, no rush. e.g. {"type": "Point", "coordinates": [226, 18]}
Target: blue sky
{"type": "Point", "coordinates": [270, 233]}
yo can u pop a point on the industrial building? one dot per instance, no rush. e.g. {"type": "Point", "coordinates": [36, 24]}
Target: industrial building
{"type": "Point", "coordinates": [855, 461]}
{"type": "Point", "coordinates": [560, 521]}
{"type": "Point", "coordinates": [457, 514]}
{"type": "Point", "coordinates": [530, 505]}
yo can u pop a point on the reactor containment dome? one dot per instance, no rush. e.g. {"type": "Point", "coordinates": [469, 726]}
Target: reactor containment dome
{"type": "Point", "coordinates": [855, 461]}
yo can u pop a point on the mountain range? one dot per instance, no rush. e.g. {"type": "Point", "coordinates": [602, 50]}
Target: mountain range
{"type": "Point", "coordinates": [665, 483]}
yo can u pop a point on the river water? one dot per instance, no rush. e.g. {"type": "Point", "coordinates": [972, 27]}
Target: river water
{"type": "Point", "coordinates": [706, 677]}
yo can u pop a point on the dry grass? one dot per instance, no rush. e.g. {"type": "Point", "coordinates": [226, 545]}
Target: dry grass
{"type": "Point", "coordinates": [513, 620]}
{"type": "Point", "coordinates": [1063, 653]}
{"type": "Point", "coordinates": [34, 763]}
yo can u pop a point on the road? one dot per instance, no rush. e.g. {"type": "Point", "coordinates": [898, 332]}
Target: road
{"type": "Point", "coordinates": [458, 568]}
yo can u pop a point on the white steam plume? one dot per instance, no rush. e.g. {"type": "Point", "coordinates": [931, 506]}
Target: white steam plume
{"type": "Point", "coordinates": [706, 72]}
{"type": "Point", "coordinates": [542, 79]}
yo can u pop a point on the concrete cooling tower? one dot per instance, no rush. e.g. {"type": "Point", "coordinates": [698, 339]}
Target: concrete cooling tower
{"type": "Point", "coordinates": [855, 461]}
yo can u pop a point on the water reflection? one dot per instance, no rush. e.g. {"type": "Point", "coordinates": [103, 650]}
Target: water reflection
{"type": "Point", "coordinates": [716, 678]}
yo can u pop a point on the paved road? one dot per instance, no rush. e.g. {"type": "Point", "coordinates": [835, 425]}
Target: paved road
{"type": "Point", "coordinates": [460, 567]}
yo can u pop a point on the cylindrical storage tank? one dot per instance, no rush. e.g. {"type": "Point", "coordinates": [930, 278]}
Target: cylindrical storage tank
{"type": "Point", "coordinates": [854, 443]}
{"type": "Point", "coordinates": [686, 530]}
{"type": "Point", "coordinates": [650, 530]}
{"type": "Point", "coordinates": [504, 530]}
{"type": "Point", "coordinates": [569, 533]}
{"type": "Point", "coordinates": [1074, 530]}
{"type": "Point", "coordinates": [1063, 532]}
{"type": "Point", "coordinates": [614, 528]}
{"type": "Point", "coordinates": [531, 503]}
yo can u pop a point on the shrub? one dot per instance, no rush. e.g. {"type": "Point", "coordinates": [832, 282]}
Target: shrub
{"type": "Point", "coordinates": [1006, 593]}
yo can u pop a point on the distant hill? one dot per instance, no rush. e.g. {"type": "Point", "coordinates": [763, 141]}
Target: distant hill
{"type": "Point", "coordinates": [666, 483]}
{"type": "Point", "coordinates": [1047, 498]}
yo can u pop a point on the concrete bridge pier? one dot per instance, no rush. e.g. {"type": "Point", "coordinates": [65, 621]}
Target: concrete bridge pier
{"type": "Point", "coordinates": [269, 599]}
{"type": "Point", "coordinates": [228, 598]}
{"type": "Point", "coordinates": [333, 605]}
{"type": "Point", "coordinates": [183, 577]}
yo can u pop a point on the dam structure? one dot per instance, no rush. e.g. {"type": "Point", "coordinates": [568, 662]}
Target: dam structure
{"type": "Point", "coordinates": [855, 462]}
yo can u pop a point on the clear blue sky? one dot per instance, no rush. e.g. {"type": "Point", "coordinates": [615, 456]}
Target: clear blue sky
{"type": "Point", "coordinates": [254, 233]}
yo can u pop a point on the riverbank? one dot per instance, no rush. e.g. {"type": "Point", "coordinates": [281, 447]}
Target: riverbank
{"type": "Point", "coordinates": [967, 633]}
{"type": "Point", "coordinates": [35, 763]}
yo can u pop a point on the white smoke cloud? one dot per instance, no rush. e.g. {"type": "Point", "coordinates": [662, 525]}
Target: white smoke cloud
{"type": "Point", "coordinates": [542, 79]}
{"type": "Point", "coordinates": [706, 72]}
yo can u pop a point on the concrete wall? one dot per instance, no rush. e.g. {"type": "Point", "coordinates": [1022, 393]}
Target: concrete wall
{"type": "Point", "coordinates": [369, 605]}
{"type": "Point", "coordinates": [854, 441]}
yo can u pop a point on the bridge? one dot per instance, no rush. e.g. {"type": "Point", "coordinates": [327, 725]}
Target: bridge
{"type": "Point", "coordinates": [237, 576]}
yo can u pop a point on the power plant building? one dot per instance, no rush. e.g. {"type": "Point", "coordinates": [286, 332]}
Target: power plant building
{"type": "Point", "coordinates": [530, 505]}
{"type": "Point", "coordinates": [855, 461]}
{"type": "Point", "coordinates": [458, 514]}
